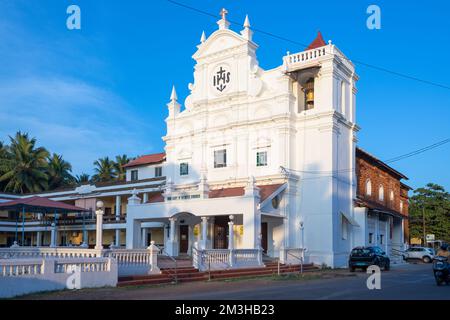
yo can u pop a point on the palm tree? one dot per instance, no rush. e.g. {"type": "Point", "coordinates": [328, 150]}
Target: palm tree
{"type": "Point", "coordinates": [4, 160]}
{"type": "Point", "coordinates": [59, 172]}
{"type": "Point", "coordinates": [26, 166]}
{"type": "Point", "coordinates": [82, 178]}
{"type": "Point", "coordinates": [118, 166]}
{"type": "Point", "coordinates": [104, 170]}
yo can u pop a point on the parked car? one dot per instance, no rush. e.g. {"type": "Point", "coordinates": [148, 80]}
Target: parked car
{"type": "Point", "coordinates": [363, 257]}
{"type": "Point", "coordinates": [421, 253]}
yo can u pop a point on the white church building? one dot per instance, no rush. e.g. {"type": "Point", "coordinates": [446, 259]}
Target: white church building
{"type": "Point", "coordinates": [272, 149]}
{"type": "Point", "coordinates": [255, 159]}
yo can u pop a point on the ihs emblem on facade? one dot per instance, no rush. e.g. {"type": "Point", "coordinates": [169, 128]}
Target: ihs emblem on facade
{"type": "Point", "coordinates": [221, 79]}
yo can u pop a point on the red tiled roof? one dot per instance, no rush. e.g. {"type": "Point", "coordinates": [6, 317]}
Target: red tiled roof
{"type": "Point", "coordinates": [264, 191]}
{"type": "Point", "coordinates": [317, 42]}
{"type": "Point", "coordinates": [227, 192]}
{"type": "Point", "coordinates": [156, 197]}
{"type": "Point", "coordinates": [147, 159]}
{"type": "Point", "coordinates": [361, 201]}
{"type": "Point", "coordinates": [38, 204]}
{"type": "Point", "coordinates": [360, 153]}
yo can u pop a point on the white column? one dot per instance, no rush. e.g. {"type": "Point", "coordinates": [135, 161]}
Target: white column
{"type": "Point", "coordinates": [377, 229]}
{"type": "Point", "coordinates": [144, 237]}
{"type": "Point", "coordinates": [204, 233]}
{"type": "Point", "coordinates": [99, 229]}
{"type": "Point", "coordinates": [231, 233]}
{"type": "Point", "coordinates": [118, 209]}
{"type": "Point", "coordinates": [172, 229]}
{"type": "Point", "coordinates": [154, 250]}
{"type": "Point", "coordinates": [171, 250]}
{"type": "Point", "coordinates": [402, 234]}
{"type": "Point", "coordinates": [53, 236]}
{"type": "Point", "coordinates": [166, 235]}
{"type": "Point", "coordinates": [39, 239]}
{"type": "Point", "coordinates": [132, 233]}
{"type": "Point", "coordinates": [145, 198]}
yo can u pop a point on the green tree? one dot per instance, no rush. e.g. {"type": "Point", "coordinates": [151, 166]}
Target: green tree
{"type": "Point", "coordinates": [82, 178]}
{"type": "Point", "coordinates": [25, 169]}
{"type": "Point", "coordinates": [59, 172]}
{"type": "Point", "coordinates": [4, 160]}
{"type": "Point", "coordinates": [118, 166]}
{"type": "Point", "coordinates": [104, 170]}
{"type": "Point", "coordinates": [433, 204]}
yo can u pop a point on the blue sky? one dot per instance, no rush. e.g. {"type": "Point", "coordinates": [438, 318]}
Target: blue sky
{"type": "Point", "coordinates": [102, 90]}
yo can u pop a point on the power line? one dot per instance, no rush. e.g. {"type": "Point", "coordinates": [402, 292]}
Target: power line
{"type": "Point", "coordinates": [395, 159]}
{"type": "Point", "coordinates": [270, 34]}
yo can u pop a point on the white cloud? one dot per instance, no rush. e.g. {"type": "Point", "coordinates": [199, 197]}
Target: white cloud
{"type": "Point", "coordinates": [79, 120]}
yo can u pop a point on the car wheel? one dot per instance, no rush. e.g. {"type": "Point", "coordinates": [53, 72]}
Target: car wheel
{"type": "Point", "coordinates": [426, 259]}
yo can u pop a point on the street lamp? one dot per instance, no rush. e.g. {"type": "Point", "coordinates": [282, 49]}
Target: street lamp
{"type": "Point", "coordinates": [302, 227]}
{"type": "Point", "coordinates": [99, 204]}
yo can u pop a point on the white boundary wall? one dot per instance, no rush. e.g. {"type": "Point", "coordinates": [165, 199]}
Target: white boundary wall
{"type": "Point", "coordinates": [24, 276]}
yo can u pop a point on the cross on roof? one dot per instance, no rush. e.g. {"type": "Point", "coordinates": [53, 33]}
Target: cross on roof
{"type": "Point", "coordinates": [224, 13]}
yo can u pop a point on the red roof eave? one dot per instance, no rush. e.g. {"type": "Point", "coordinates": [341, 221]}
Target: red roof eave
{"type": "Point", "coordinates": [147, 159]}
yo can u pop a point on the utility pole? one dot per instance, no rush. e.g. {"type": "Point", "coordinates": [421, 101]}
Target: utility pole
{"type": "Point", "coordinates": [423, 226]}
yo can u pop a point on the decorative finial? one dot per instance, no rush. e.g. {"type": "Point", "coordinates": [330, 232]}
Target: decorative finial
{"type": "Point", "coordinates": [329, 42]}
{"type": "Point", "coordinates": [173, 95]}
{"type": "Point", "coordinates": [224, 13]}
{"type": "Point", "coordinates": [246, 22]}
{"type": "Point", "coordinates": [203, 37]}
{"type": "Point", "coordinates": [247, 33]}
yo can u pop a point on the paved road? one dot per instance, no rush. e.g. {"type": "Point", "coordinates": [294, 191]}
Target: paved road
{"type": "Point", "coordinates": [411, 281]}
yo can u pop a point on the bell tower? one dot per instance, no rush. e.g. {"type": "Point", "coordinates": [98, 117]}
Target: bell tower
{"type": "Point", "coordinates": [323, 81]}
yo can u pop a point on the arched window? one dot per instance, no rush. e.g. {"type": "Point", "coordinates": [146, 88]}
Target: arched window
{"type": "Point", "coordinates": [368, 187]}
{"type": "Point", "coordinates": [381, 193]}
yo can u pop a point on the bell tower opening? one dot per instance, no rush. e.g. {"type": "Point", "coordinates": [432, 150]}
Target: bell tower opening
{"type": "Point", "coordinates": [308, 89]}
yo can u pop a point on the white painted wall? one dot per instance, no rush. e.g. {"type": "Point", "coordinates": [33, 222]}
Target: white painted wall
{"type": "Point", "coordinates": [49, 280]}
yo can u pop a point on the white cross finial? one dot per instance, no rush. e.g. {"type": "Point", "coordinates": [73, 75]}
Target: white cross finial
{"type": "Point", "coordinates": [224, 13]}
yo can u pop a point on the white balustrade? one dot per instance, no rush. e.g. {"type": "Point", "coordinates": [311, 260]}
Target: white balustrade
{"type": "Point", "coordinates": [217, 259]}
{"type": "Point", "coordinates": [304, 59]}
{"type": "Point", "coordinates": [23, 276]}
{"type": "Point", "coordinates": [47, 252]}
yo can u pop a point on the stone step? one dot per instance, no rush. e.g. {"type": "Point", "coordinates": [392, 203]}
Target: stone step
{"type": "Point", "coordinates": [179, 270]}
{"type": "Point", "coordinates": [192, 274]}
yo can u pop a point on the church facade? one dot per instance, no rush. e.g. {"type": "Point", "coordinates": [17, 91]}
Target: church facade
{"type": "Point", "coordinates": [267, 157]}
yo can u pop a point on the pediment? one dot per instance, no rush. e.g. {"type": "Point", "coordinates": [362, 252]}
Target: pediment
{"type": "Point", "coordinates": [219, 41]}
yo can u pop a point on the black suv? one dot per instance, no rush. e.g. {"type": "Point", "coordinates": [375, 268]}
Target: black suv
{"type": "Point", "coordinates": [362, 257]}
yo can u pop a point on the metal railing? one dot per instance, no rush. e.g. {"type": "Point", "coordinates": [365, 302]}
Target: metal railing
{"type": "Point", "coordinates": [273, 258]}
{"type": "Point", "coordinates": [173, 272]}
{"type": "Point", "coordinates": [301, 258]}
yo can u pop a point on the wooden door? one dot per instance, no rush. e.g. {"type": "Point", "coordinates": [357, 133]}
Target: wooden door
{"type": "Point", "coordinates": [264, 236]}
{"type": "Point", "coordinates": [184, 239]}
{"type": "Point", "coordinates": [221, 233]}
